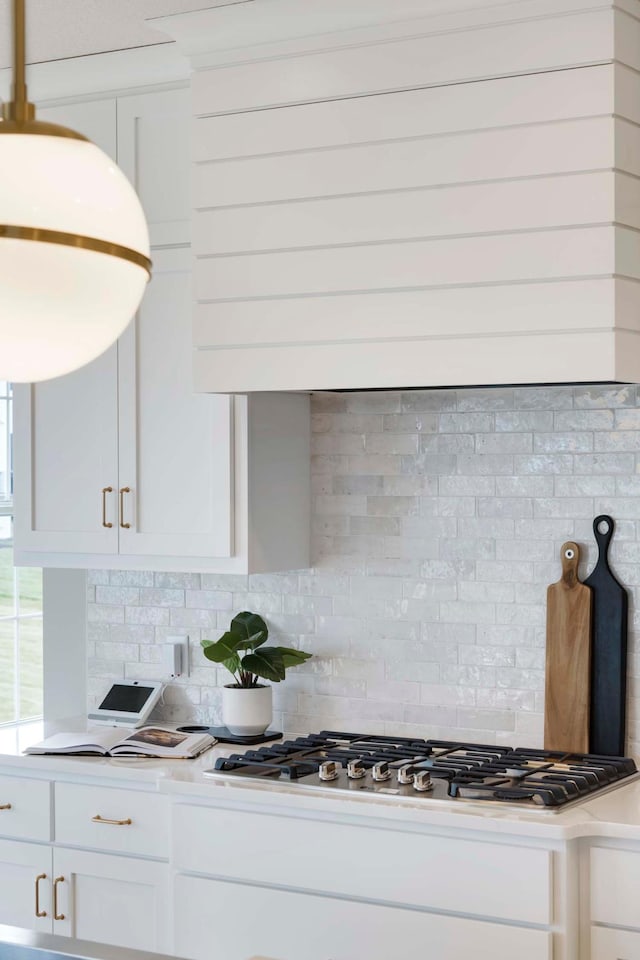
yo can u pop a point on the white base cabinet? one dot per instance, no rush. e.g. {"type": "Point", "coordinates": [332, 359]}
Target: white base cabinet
{"type": "Point", "coordinates": [213, 914]}
{"type": "Point", "coordinates": [118, 900]}
{"type": "Point", "coordinates": [87, 895]}
{"type": "Point", "coordinates": [327, 890]}
{"type": "Point", "coordinates": [25, 885]}
{"type": "Point", "coordinates": [98, 855]}
{"type": "Point", "coordinates": [614, 880]}
{"type": "Point", "coordinates": [91, 893]}
{"type": "Point", "coordinates": [611, 944]}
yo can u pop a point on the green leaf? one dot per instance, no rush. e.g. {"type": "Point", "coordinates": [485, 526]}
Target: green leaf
{"type": "Point", "coordinates": [224, 649]}
{"type": "Point", "coordinates": [267, 663]}
{"type": "Point", "coordinates": [250, 628]}
{"type": "Point", "coordinates": [291, 657]}
{"type": "Point", "coordinates": [255, 641]}
{"type": "Point", "coordinates": [233, 664]}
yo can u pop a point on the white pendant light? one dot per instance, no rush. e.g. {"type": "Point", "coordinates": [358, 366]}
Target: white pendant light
{"type": "Point", "coordinates": [74, 244]}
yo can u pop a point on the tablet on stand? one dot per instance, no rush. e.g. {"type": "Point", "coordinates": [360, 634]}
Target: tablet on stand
{"type": "Point", "coordinates": [128, 703]}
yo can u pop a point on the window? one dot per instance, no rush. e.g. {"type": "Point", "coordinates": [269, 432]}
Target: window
{"type": "Point", "coordinates": [20, 599]}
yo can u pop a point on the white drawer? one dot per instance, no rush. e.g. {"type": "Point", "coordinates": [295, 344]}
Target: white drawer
{"type": "Point", "coordinates": [118, 821]}
{"type": "Point", "coordinates": [25, 808]}
{"type": "Point", "coordinates": [212, 912]}
{"type": "Point", "coordinates": [487, 879]}
{"type": "Point", "coordinates": [615, 882]}
{"type": "Point", "coordinates": [609, 944]}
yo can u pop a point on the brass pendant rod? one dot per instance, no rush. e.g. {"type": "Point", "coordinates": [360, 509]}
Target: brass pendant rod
{"type": "Point", "coordinates": [19, 109]}
{"type": "Point", "coordinates": [19, 53]}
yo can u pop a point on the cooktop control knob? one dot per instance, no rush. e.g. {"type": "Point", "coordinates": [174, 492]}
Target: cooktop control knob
{"type": "Point", "coordinates": [422, 781]}
{"type": "Point", "coordinates": [356, 769]}
{"type": "Point", "coordinates": [405, 774]}
{"type": "Point", "coordinates": [381, 771]}
{"type": "Point", "coordinates": [329, 770]}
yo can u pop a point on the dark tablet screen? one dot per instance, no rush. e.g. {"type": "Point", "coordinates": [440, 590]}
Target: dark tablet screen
{"type": "Point", "coordinates": [127, 698]}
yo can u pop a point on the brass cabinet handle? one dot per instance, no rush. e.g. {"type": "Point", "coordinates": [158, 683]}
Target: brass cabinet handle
{"type": "Point", "coordinates": [105, 491]}
{"type": "Point", "coordinates": [119, 823]}
{"type": "Point", "coordinates": [56, 915]}
{"type": "Point", "coordinates": [39, 912]}
{"type": "Point", "coordinates": [5, 806]}
{"type": "Point", "coordinates": [123, 490]}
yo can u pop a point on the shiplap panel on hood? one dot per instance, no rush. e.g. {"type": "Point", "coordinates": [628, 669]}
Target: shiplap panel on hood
{"type": "Point", "coordinates": [507, 205]}
{"type": "Point", "coordinates": [354, 231]}
{"type": "Point", "coordinates": [431, 111]}
{"type": "Point", "coordinates": [478, 53]}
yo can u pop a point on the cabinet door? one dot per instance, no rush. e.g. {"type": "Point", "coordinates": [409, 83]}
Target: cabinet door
{"type": "Point", "coordinates": [65, 455]}
{"type": "Point", "coordinates": [65, 430]}
{"type": "Point", "coordinates": [25, 870]}
{"type": "Point", "coordinates": [116, 900]}
{"type": "Point", "coordinates": [293, 925]}
{"type": "Point", "coordinates": [154, 150]}
{"type": "Point", "coordinates": [175, 445]}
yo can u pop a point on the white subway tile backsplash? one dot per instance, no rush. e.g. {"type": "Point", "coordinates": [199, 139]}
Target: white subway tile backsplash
{"type": "Point", "coordinates": [627, 419]}
{"type": "Point", "coordinates": [438, 518]}
{"type": "Point", "coordinates": [504, 443]}
{"type": "Point", "coordinates": [604, 463]}
{"type": "Point", "coordinates": [410, 423]}
{"type": "Point", "coordinates": [208, 599]}
{"type": "Point", "coordinates": [610, 397]}
{"type": "Point", "coordinates": [498, 399]}
{"type": "Point", "coordinates": [161, 597]}
{"type": "Point", "coordinates": [105, 613]}
{"type": "Point", "coordinates": [156, 616]}
{"type": "Point", "coordinates": [617, 440]}
{"type": "Point", "coordinates": [393, 443]}
{"type": "Point", "coordinates": [564, 442]}
{"type": "Point", "coordinates": [543, 398]}
{"type": "Point", "coordinates": [447, 443]}
{"type": "Point", "coordinates": [514, 421]}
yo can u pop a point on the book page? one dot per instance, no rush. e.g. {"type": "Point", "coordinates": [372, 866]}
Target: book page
{"type": "Point", "coordinates": [100, 741]}
{"type": "Point", "coordinates": [156, 737]}
{"type": "Point", "coordinates": [162, 742]}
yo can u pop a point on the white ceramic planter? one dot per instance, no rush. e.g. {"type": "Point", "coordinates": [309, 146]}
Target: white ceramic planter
{"type": "Point", "coordinates": [247, 711]}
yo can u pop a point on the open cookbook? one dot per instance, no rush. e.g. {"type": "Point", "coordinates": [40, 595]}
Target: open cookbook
{"type": "Point", "coordinates": [150, 741]}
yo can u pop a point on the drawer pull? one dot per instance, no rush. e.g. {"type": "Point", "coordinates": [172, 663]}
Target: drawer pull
{"type": "Point", "coordinates": [56, 915]}
{"type": "Point", "coordinates": [119, 823]}
{"type": "Point", "coordinates": [105, 491]}
{"type": "Point", "coordinates": [5, 806]}
{"type": "Point", "coordinates": [123, 490]}
{"type": "Point", "coordinates": [39, 912]}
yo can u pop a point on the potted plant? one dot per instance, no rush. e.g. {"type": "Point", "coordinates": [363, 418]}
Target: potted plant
{"type": "Point", "coordinates": [246, 703]}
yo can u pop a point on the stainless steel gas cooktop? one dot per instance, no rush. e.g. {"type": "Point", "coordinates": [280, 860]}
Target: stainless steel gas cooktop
{"type": "Point", "coordinates": [407, 768]}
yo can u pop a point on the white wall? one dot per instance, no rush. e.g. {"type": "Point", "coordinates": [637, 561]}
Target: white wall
{"type": "Point", "coordinates": [64, 643]}
{"type": "Point", "coordinates": [437, 521]}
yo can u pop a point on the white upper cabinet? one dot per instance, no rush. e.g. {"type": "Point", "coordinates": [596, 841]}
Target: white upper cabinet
{"type": "Point", "coordinates": [121, 463]}
{"type": "Point", "coordinates": [447, 195]}
{"type": "Point", "coordinates": [154, 152]}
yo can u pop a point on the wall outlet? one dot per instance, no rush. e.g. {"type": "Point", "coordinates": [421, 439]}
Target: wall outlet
{"type": "Point", "coordinates": [175, 657]}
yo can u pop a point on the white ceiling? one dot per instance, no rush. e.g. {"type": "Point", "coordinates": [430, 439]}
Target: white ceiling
{"type": "Point", "coordinates": [57, 29]}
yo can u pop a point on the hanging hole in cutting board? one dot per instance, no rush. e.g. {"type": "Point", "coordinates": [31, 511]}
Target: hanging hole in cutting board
{"type": "Point", "coordinates": [569, 554]}
{"type": "Point", "coordinates": [604, 526]}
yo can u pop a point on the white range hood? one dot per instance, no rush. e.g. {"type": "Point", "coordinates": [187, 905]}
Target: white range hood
{"type": "Point", "coordinates": [414, 193]}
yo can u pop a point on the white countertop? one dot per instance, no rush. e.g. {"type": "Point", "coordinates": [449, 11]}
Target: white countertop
{"type": "Point", "coordinates": [615, 814]}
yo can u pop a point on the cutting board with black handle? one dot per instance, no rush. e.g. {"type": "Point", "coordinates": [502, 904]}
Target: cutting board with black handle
{"type": "Point", "coordinates": [608, 650]}
{"type": "Point", "coordinates": [567, 668]}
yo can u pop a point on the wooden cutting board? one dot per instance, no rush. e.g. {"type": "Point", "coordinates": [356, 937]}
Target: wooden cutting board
{"type": "Point", "coordinates": [568, 659]}
{"type": "Point", "coordinates": [608, 650]}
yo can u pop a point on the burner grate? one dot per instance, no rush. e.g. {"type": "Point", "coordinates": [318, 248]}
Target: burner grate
{"type": "Point", "coordinates": [461, 771]}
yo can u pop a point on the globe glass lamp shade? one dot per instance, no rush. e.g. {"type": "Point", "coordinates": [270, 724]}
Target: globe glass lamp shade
{"type": "Point", "coordinates": [74, 251]}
